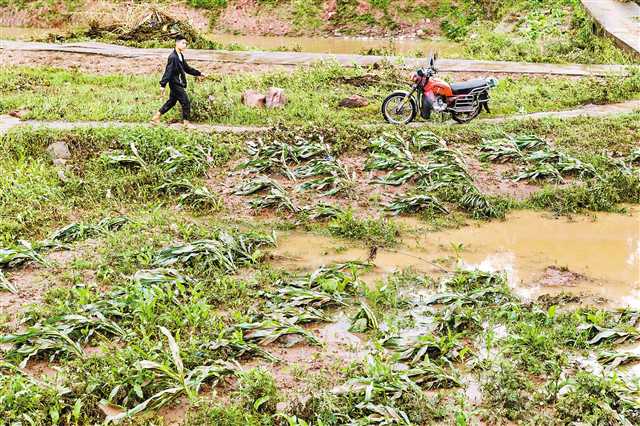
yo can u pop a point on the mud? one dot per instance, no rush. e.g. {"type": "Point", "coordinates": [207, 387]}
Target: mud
{"type": "Point", "coordinates": [300, 362]}
{"type": "Point", "coordinates": [31, 283]}
{"type": "Point", "coordinates": [540, 254]}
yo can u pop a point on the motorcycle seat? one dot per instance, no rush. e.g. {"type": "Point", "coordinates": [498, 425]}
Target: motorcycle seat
{"type": "Point", "coordinates": [465, 87]}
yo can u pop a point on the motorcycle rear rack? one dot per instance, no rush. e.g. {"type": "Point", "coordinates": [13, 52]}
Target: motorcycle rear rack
{"type": "Point", "coordinates": [468, 102]}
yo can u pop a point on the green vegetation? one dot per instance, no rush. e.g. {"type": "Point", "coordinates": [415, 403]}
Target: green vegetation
{"type": "Point", "coordinates": [313, 95]}
{"type": "Point", "coordinates": [155, 268]}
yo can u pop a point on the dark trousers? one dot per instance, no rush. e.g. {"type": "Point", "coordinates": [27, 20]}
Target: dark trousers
{"type": "Point", "coordinates": [177, 94]}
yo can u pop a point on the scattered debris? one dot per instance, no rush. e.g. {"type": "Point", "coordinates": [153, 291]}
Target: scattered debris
{"type": "Point", "coordinates": [354, 101]}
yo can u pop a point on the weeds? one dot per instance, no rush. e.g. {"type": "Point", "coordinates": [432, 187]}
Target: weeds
{"type": "Point", "coordinates": [379, 232]}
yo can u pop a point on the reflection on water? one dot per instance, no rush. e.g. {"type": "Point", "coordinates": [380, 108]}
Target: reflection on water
{"type": "Point", "coordinates": [539, 253]}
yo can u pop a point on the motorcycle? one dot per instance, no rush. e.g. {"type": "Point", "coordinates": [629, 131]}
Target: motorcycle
{"type": "Point", "coordinates": [464, 101]}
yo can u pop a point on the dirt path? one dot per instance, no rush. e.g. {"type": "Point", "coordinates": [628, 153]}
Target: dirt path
{"type": "Point", "coordinates": [619, 19]}
{"type": "Point", "coordinates": [298, 58]}
{"type": "Point", "coordinates": [8, 122]}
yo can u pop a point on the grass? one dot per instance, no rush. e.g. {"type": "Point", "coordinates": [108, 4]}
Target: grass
{"type": "Point", "coordinates": [163, 306]}
{"type": "Point", "coordinates": [52, 94]}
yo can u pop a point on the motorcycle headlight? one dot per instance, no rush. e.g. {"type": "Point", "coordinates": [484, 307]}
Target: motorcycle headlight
{"type": "Point", "coordinates": [492, 82]}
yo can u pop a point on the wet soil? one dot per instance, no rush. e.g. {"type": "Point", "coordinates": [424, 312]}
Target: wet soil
{"type": "Point", "coordinates": [301, 361]}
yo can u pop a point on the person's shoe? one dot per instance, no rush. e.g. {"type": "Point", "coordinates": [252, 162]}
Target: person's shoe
{"type": "Point", "coordinates": [156, 118]}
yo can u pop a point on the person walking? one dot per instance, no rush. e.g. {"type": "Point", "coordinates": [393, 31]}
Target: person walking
{"type": "Point", "coordinates": [175, 77]}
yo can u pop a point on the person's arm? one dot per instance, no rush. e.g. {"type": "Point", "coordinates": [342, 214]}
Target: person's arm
{"type": "Point", "coordinates": [168, 72]}
{"type": "Point", "coordinates": [190, 70]}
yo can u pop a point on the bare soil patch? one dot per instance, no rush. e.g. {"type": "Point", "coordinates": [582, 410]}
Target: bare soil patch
{"type": "Point", "coordinates": [244, 16]}
{"type": "Point", "coordinates": [493, 179]}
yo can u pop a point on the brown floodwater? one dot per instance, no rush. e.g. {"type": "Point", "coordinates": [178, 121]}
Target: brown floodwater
{"type": "Point", "coordinates": [26, 34]}
{"type": "Point", "coordinates": [336, 45]}
{"type": "Point", "coordinates": [596, 256]}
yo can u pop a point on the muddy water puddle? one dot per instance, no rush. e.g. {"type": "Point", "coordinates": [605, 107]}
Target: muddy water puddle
{"type": "Point", "coordinates": [336, 45]}
{"type": "Point", "coordinates": [339, 45]}
{"type": "Point", "coordinates": [591, 256]}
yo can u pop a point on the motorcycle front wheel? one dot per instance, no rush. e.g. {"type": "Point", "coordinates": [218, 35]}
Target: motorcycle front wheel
{"type": "Point", "coordinates": [398, 111]}
{"type": "Point", "coordinates": [465, 117]}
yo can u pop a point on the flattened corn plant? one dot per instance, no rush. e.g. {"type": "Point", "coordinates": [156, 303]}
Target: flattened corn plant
{"type": "Point", "coordinates": [269, 330]}
{"type": "Point", "coordinates": [510, 148]}
{"type": "Point", "coordinates": [539, 160]}
{"type": "Point", "coordinates": [226, 251]}
{"type": "Point", "coordinates": [122, 158]}
{"type": "Point", "coordinates": [6, 285]}
{"type": "Point", "coordinates": [277, 198]}
{"type": "Point", "coordinates": [392, 152]}
{"type": "Point", "coordinates": [322, 211]}
{"type": "Point", "coordinates": [11, 257]}
{"type": "Point", "coordinates": [334, 176]}
{"type": "Point", "coordinates": [411, 203]}
{"type": "Point", "coordinates": [300, 300]}
{"type": "Point", "coordinates": [385, 381]}
{"type": "Point", "coordinates": [443, 178]}
{"type": "Point", "coordinates": [197, 197]}
{"type": "Point", "coordinates": [188, 158]}
{"type": "Point", "coordinates": [426, 347]}
{"type": "Point", "coordinates": [80, 231]}
{"type": "Point", "coordinates": [24, 251]}
{"type": "Point", "coordinates": [21, 253]}
{"type": "Point", "coordinates": [175, 380]}
{"type": "Point", "coordinates": [233, 346]}
{"type": "Point", "coordinates": [365, 319]}
{"type": "Point", "coordinates": [60, 335]}
{"type": "Point", "coordinates": [274, 156]}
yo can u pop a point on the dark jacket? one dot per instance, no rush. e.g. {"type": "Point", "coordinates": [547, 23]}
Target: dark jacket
{"type": "Point", "coordinates": [174, 73]}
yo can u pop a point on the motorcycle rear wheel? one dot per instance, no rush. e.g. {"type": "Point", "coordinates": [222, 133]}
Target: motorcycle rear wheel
{"type": "Point", "coordinates": [465, 117]}
{"type": "Point", "coordinates": [394, 114]}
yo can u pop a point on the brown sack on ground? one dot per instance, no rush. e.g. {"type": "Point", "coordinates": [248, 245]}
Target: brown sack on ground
{"type": "Point", "coordinates": [275, 98]}
{"type": "Point", "coordinates": [252, 98]}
